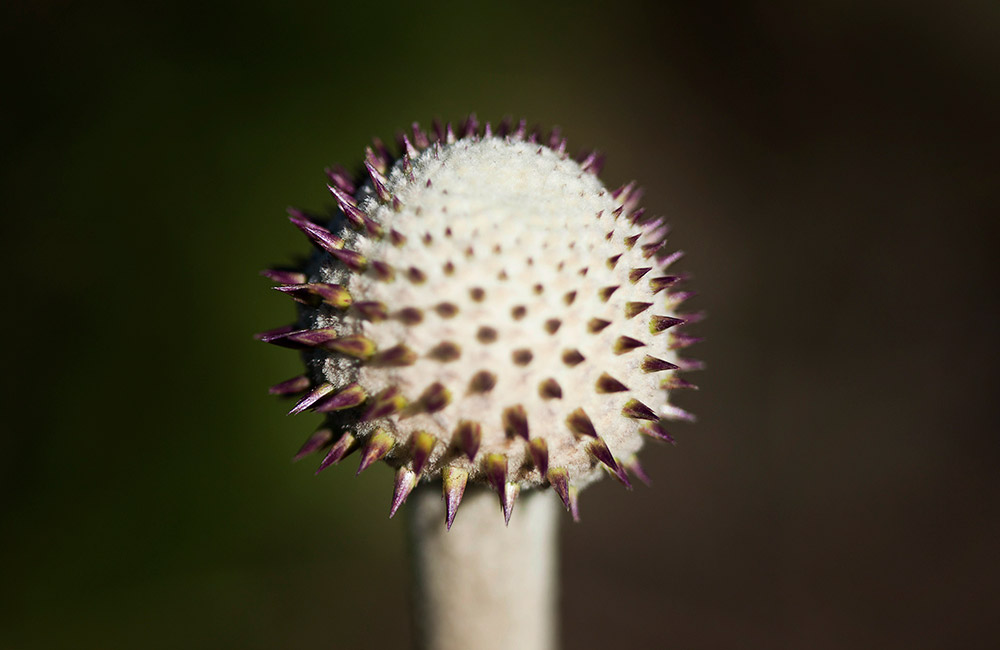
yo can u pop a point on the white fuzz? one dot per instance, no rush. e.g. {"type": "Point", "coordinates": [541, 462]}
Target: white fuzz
{"type": "Point", "coordinates": [506, 266]}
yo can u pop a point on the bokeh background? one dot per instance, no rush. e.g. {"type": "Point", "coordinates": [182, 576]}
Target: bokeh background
{"type": "Point", "coordinates": [830, 167]}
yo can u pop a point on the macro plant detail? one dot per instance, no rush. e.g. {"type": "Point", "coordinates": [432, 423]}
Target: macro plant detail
{"type": "Point", "coordinates": [481, 310]}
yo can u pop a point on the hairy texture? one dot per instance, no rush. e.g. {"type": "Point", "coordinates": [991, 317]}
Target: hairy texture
{"type": "Point", "coordinates": [483, 309]}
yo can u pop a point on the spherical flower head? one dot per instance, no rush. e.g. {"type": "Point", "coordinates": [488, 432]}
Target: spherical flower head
{"type": "Point", "coordinates": [483, 309]}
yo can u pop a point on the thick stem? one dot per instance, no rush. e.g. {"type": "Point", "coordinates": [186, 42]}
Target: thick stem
{"type": "Point", "coordinates": [481, 585]}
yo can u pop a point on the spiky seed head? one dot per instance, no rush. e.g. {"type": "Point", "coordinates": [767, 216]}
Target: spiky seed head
{"type": "Point", "coordinates": [483, 309]}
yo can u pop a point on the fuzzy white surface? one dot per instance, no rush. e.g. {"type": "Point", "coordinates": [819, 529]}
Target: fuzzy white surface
{"type": "Point", "coordinates": [529, 218]}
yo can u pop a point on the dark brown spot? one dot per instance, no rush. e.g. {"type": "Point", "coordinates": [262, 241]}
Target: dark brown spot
{"type": "Point", "coordinates": [552, 325]}
{"type": "Point", "coordinates": [580, 424]}
{"type": "Point", "coordinates": [638, 411]}
{"type": "Point", "coordinates": [410, 315]}
{"type": "Point", "coordinates": [434, 398]}
{"type": "Point", "coordinates": [539, 450]}
{"type": "Point", "coordinates": [397, 238]}
{"type": "Point", "coordinates": [446, 310]}
{"type": "Point", "coordinates": [608, 384]}
{"type": "Point", "coordinates": [515, 422]}
{"type": "Point", "coordinates": [496, 249]}
{"type": "Point", "coordinates": [477, 294]}
{"type": "Point", "coordinates": [372, 310]}
{"type": "Point", "coordinates": [613, 261]}
{"type": "Point", "coordinates": [606, 293]}
{"type": "Point", "coordinates": [521, 357]}
{"type": "Point", "coordinates": [447, 232]}
{"type": "Point", "coordinates": [659, 284]}
{"type": "Point", "coordinates": [396, 356]}
{"type": "Point", "coordinates": [652, 364]}
{"type": "Point", "coordinates": [482, 382]}
{"type": "Point", "coordinates": [538, 289]}
{"type": "Point", "coordinates": [633, 309]}
{"type": "Point", "coordinates": [595, 325]}
{"type": "Point", "coordinates": [569, 297]}
{"type": "Point", "coordinates": [636, 274]}
{"type": "Point", "coordinates": [427, 239]}
{"type": "Point", "coordinates": [517, 313]}
{"type": "Point", "coordinates": [486, 335]}
{"type": "Point", "coordinates": [550, 389]}
{"type": "Point", "coordinates": [468, 435]}
{"type": "Point", "coordinates": [383, 271]}
{"type": "Point", "coordinates": [627, 344]}
{"type": "Point", "coordinates": [502, 275]}
{"type": "Point", "coordinates": [572, 358]}
{"type": "Point", "coordinates": [583, 272]}
{"type": "Point", "coordinates": [609, 235]}
{"type": "Point", "coordinates": [658, 324]}
{"type": "Point", "coordinates": [449, 268]}
{"type": "Point", "coordinates": [630, 241]}
{"type": "Point", "coordinates": [416, 276]}
{"type": "Point", "coordinates": [445, 352]}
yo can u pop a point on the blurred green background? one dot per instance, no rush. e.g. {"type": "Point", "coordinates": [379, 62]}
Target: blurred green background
{"type": "Point", "coordinates": [830, 167]}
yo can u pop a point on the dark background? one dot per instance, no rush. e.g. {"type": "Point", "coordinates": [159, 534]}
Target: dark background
{"type": "Point", "coordinates": [830, 167]}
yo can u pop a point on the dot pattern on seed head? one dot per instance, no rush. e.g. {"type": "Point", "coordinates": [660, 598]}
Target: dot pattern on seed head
{"type": "Point", "coordinates": [483, 309]}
